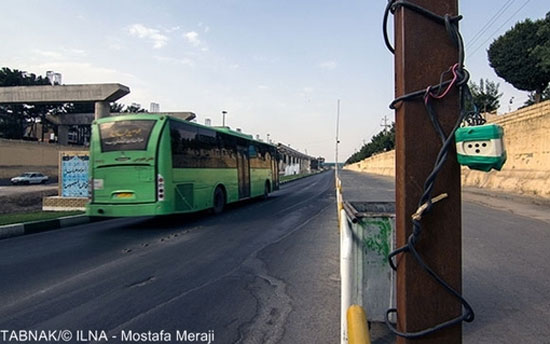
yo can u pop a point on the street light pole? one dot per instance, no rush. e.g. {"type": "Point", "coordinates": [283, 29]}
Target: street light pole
{"type": "Point", "coordinates": [223, 118]}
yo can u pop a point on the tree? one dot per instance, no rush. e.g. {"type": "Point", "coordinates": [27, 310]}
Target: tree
{"type": "Point", "coordinates": [16, 118]}
{"type": "Point", "coordinates": [116, 107]}
{"type": "Point", "coordinates": [485, 96]}
{"type": "Point", "coordinates": [542, 52]}
{"type": "Point", "coordinates": [521, 55]}
{"type": "Point", "coordinates": [545, 95]}
{"type": "Point", "coordinates": [134, 109]}
{"type": "Point", "coordinates": [381, 142]}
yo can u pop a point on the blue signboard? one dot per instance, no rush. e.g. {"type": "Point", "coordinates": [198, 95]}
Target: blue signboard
{"type": "Point", "coordinates": [74, 175]}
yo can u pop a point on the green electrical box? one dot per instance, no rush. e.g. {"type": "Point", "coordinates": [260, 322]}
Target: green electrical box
{"type": "Point", "coordinates": [481, 147]}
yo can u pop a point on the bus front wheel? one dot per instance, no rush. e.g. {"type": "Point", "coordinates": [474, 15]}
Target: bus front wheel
{"type": "Point", "coordinates": [219, 200]}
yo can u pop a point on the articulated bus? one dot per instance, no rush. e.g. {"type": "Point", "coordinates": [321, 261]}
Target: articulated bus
{"type": "Point", "coordinates": [147, 164]}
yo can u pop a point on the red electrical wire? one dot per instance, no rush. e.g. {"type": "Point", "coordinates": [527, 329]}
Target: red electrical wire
{"type": "Point", "coordinates": [439, 96]}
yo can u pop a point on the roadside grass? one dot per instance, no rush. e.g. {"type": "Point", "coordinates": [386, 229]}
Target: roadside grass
{"type": "Point", "coordinates": [6, 219]}
{"type": "Point", "coordinates": [284, 179]}
{"type": "Point", "coordinates": [292, 177]}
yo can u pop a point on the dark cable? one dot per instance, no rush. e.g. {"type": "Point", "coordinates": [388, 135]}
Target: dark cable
{"type": "Point", "coordinates": [394, 4]}
{"type": "Point", "coordinates": [471, 116]}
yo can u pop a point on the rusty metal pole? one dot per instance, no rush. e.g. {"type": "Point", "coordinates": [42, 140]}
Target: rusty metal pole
{"type": "Point", "coordinates": [423, 50]}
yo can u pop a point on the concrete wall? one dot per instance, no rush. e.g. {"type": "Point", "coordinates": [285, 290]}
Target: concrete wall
{"type": "Point", "coordinates": [527, 142]}
{"type": "Point", "coordinates": [383, 164]}
{"type": "Point", "coordinates": [20, 156]}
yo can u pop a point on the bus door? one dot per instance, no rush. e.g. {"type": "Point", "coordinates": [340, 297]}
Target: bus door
{"type": "Point", "coordinates": [275, 173]}
{"type": "Point", "coordinates": [243, 171]}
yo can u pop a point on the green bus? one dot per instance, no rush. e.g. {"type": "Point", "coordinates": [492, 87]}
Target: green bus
{"type": "Point", "coordinates": [152, 164]}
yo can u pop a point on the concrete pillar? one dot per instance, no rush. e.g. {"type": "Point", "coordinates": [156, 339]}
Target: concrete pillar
{"type": "Point", "coordinates": [63, 134]}
{"type": "Point", "coordinates": [102, 109]}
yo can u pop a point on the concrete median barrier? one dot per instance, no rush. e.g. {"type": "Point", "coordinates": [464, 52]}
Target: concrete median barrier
{"type": "Point", "coordinates": [18, 229]}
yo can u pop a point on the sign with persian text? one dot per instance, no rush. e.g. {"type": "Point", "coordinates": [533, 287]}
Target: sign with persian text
{"type": "Point", "coordinates": [74, 174]}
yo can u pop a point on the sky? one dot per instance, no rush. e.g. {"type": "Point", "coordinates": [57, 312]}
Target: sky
{"type": "Point", "coordinates": [277, 67]}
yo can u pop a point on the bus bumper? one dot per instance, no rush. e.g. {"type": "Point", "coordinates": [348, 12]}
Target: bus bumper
{"type": "Point", "coordinates": [125, 210]}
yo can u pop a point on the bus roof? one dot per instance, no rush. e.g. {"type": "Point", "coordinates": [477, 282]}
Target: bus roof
{"type": "Point", "coordinates": [157, 116]}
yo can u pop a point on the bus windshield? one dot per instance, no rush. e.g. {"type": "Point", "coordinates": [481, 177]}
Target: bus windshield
{"type": "Point", "coordinates": [125, 135]}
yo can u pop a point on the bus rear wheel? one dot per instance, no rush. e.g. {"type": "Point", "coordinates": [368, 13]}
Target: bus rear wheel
{"type": "Point", "coordinates": [219, 200]}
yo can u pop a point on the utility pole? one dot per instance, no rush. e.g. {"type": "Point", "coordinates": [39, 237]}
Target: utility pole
{"type": "Point", "coordinates": [223, 118]}
{"type": "Point", "coordinates": [423, 50]}
{"type": "Point", "coordinates": [337, 133]}
{"type": "Point", "coordinates": [385, 125]}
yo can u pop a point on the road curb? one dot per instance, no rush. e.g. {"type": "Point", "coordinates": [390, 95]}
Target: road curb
{"type": "Point", "coordinates": [18, 229]}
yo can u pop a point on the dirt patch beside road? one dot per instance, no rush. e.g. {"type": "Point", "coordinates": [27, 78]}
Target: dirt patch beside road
{"type": "Point", "coordinates": [19, 199]}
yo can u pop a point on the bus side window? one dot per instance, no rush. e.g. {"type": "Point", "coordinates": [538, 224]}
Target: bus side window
{"type": "Point", "coordinates": [252, 151]}
{"type": "Point", "coordinates": [228, 146]}
{"type": "Point", "coordinates": [184, 145]}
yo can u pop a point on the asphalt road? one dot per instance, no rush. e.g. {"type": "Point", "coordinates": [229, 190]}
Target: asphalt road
{"type": "Point", "coordinates": [261, 272]}
{"type": "Point", "coordinates": [505, 252]}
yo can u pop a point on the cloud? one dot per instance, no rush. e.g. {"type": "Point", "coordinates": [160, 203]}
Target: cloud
{"type": "Point", "coordinates": [114, 43]}
{"type": "Point", "coordinates": [172, 29]}
{"type": "Point", "coordinates": [48, 54]}
{"type": "Point", "coordinates": [61, 53]}
{"type": "Point", "coordinates": [263, 87]}
{"type": "Point", "coordinates": [76, 52]}
{"type": "Point", "coordinates": [173, 60]}
{"type": "Point", "coordinates": [115, 46]}
{"type": "Point", "coordinates": [328, 65]}
{"type": "Point", "coordinates": [204, 27]}
{"type": "Point", "coordinates": [193, 38]}
{"type": "Point", "coordinates": [141, 31]}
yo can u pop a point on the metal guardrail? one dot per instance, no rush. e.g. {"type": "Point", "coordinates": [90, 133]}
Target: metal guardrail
{"type": "Point", "coordinates": [346, 273]}
{"type": "Point", "coordinates": [366, 238]}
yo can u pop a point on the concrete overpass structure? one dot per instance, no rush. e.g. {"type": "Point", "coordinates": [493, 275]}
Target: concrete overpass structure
{"type": "Point", "coordinates": [99, 94]}
{"type": "Point", "coordinates": [66, 120]}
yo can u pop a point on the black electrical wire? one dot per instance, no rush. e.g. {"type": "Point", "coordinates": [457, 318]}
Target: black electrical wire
{"type": "Point", "coordinates": [471, 117]}
{"type": "Point", "coordinates": [394, 4]}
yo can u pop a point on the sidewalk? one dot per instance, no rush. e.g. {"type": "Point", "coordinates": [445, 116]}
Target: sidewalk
{"type": "Point", "coordinates": [504, 242]}
{"type": "Point", "coordinates": [358, 186]}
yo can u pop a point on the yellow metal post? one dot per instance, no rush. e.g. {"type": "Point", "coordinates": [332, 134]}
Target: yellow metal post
{"type": "Point", "coordinates": [358, 329]}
